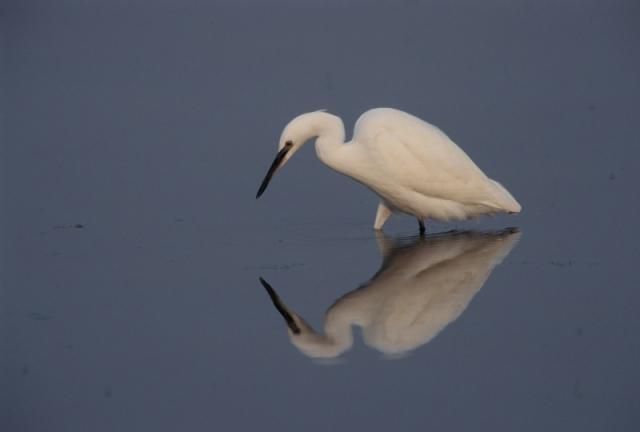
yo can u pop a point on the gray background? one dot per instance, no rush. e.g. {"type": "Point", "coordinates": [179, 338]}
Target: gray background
{"type": "Point", "coordinates": [152, 124]}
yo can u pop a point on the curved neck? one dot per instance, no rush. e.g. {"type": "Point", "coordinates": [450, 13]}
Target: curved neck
{"type": "Point", "coordinates": [330, 134]}
{"type": "Point", "coordinates": [337, 337]}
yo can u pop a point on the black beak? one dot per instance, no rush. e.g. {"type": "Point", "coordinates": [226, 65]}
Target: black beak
{"type": "Point", "coordinates": [272, 169]}
{"type": "Point", "coordinates": [291, 323]}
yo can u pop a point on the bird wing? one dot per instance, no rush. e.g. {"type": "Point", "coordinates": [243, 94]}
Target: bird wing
{"type": "Point", "coordinates": [405, 150]}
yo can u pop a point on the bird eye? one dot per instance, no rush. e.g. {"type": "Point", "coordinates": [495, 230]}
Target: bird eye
{"type": "Point", "coordinates": [289, 143]}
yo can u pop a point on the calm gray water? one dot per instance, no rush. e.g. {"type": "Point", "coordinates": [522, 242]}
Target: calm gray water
{"type": "Point", "coordinates": [135, 137]}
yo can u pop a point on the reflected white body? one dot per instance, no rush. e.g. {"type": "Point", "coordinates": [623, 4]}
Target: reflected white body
{"type": "Point", "coordinates": [411, 165]}
{"type": "Point", "coordinates": [419, 290]}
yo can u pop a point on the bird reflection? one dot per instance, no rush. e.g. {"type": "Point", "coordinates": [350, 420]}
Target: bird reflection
{"type": "Point", "coordinates": [424, 284]}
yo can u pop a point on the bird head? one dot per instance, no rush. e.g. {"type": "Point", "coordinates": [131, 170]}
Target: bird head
{"type": "Point", "coordinates": [297, 132]}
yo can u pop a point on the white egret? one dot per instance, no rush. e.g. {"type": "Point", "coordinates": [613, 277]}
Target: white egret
{"type": "Point", "coordinates": [419, 290]}
{"type": "Point", "coordinates": [411, 165]}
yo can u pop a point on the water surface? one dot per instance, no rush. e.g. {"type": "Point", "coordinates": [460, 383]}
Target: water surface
{"type": "Point", "coordinates": [137, 135]}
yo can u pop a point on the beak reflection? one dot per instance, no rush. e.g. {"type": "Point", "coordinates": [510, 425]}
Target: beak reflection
{"type": "Point", "coordinates": [284, 311]}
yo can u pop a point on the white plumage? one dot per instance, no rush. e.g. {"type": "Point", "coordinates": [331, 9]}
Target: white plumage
{"type": "Point", "coordinates": [410, 164]}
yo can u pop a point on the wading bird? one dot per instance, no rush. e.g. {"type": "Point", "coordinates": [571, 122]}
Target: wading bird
{"type": "Point", "coordinates": [411, 165]}
{"type": "Point", "coordinates": [420, 288]}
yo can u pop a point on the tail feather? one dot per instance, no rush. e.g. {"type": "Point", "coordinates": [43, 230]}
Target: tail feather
{"type": "Point", "coordinates": [504, 199]}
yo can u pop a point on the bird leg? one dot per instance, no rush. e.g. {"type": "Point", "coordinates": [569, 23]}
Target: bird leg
{"type": "Point", "coordinates": [385, 244]}
{"type": "Point", "coordinates": [382, 215]}
{"type": "Point", "coordinates": [422, 228]}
